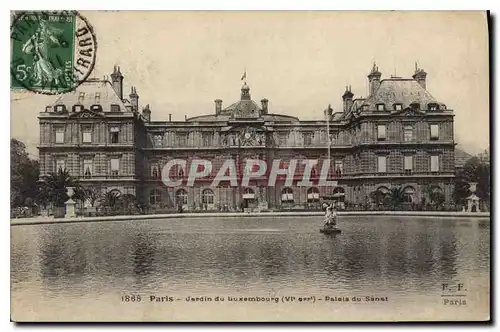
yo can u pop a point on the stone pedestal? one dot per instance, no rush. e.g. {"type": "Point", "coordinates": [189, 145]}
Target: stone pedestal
{"type": "Point", "coordinates": [70, 204]}
{"type": "Point", "coordinates": [70, 209]}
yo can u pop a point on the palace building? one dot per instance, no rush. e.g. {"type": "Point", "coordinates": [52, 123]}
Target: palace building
{"type": "Point", "coordinates": [399, 135]}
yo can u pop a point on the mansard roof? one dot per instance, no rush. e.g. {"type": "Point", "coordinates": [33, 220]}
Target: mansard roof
{"type": "Point", "coordinates": [93, 92]}
{"type": "Point", "coordinates": [400, 91]}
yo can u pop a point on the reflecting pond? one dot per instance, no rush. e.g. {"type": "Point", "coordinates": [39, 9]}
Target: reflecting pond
{"type": "Point", "coordinates": [251, 269]}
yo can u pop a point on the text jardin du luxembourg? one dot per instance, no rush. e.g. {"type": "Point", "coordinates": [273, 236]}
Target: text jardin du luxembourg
{"type": "Point", "coordinates": [271, 299]}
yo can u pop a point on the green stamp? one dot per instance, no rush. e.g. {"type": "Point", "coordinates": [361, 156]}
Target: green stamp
{"type": "Point", "coordinates": [51, 52]}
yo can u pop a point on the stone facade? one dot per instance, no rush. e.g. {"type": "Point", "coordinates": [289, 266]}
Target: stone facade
{"type": "Point", "coordinates": [398, 136]}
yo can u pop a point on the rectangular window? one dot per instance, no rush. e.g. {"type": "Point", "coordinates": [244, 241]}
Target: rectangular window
{"type": "Point", "coordinates": [207, 139]}
{"type": "Point", "coordinates": [182, 139]}
{"type": "Point", "coordinates": [380, 107]}
{"type": "Point", "coordinates": [59, 135]}
{"type": "Point", "coordinates": [408, 133]}
{"type": "Point", "coordinates": [114, 132]}
{"type": "Point", "coordinates": [87, 134]}
{"type": "Point", "coordinates": [434, 163]}
{"type": "Point", "coordinates": [115, 166]}
{"type": "Point", "coordinates": [282, 138]}
{"type": "Point", "coordinates": [155, 171]}
{"type": "Point", "coordinates": [307, 139]}
{"type": "Point", "coordinates": [381, 132]}
{"type": "Point", "coordinates": [398, 107]}
{"type": "Point", "coordinates": [382, 164]}
{"type": "Point", "coordinates": [339, 167]}
{"type": "Point", "coordinates": [81, 97]}
{"type": "Point", "coordinates": [60, 165]}
{"type": "Point", "coordinates": [97, 97]}
{"type": "Point", "coordinates": [434, 131]}
{"type": "Point", "coordinates": [88, 167]}
{"type": "Point", "coordinates": [408, 164]}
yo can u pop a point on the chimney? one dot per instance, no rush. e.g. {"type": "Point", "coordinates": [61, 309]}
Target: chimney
{"type": "Point", "coordinates": [169, 117]}
{"type": "Point", "coordinates": [374, 79]}
{"type": "Point", "coordinates": [347, 98]}
{"type": "Point", "coordinates": [420, 76]}
{"type": "Point", "coordinates": [329, 113]}
{"type": "Point", "coordinates": [146, 112]}
{"type": "Point", "coordinates": [134, 99]}
{"type": "Point", "coordinates": [264, 103]}
{"type": "Point", "coordinates": [117, 81]}
{"type": "Point", "coordinates": [218, 106]}
{"type": "Point", "coordinates": [185, 117]}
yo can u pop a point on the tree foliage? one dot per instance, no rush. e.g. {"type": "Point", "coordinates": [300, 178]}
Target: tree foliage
{"type": "Point", "coordinates": [24, 174]}
{"type": "Point", "coordinates": [396, 197]}
{"type": "Point", "coordinates": [476, 169]}
{"type": "Point", "coordinates": [54, 186]}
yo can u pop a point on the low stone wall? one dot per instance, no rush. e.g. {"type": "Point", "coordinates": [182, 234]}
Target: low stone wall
{"type": "Point", "coordinates": [434, 214]}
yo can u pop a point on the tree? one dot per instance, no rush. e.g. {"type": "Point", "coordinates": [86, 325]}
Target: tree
{"type": "Point", "coordinates": [92, 195]}
{"type": "Point", "coordinates": [435, 196]}
{"type": "Point", "coordinates": [24, 174]}
{"type": "Point", "coordinates": [54, 186]}
{"type": "Point", "coordinates": [378, 197]}
{"type": "Point", "coordinates": [127, 202]}
{"type": "Point", "coordinates": [111, 200]}
{"type": "Point", "coordinates": [396, 197]}
{"type": "Point", "coordinates": [476, 169]}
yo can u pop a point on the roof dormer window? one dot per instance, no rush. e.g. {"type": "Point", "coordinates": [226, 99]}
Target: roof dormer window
{"type": "Point", "coordinates": [96, 108]}
{"type": "Point", "coordinates": [433, 107]}
{"type": "Point", "coordinates": [398, 107]}
{"type": "Point", "coordinates": [77, 108]}
{"type": "Point", "coordinates": [60, 108]}
{"type": "Point", "coordinates": [380, 107]}
{"type": "Point", "coordinates": [415, 106]}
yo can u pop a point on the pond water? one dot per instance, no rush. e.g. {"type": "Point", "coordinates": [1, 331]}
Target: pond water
{"type": "Point", "coordinates": [264, 269]}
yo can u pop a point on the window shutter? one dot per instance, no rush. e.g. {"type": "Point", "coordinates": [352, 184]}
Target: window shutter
{"type": "Point", "coordinates": [382, 160]}
{"type": "Point", "coordinates": [434, 131]}
{"type": "Point", "coordinates": [408, 163]}
{"type": "Point", "coordinates": [381, 131]}
{"type": "Point", "coordinates": [434, 163]}
{"type": "Point", "coordinates": [115, 164]}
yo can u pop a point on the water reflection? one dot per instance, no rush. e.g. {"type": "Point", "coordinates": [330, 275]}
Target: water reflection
{"type": "Point", "coordinates": [373, 254]}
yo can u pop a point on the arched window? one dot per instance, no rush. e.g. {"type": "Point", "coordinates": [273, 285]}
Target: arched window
{"type": "Point", "coordinates": [181, 197]}
{"type": "Point", "coordinates": [383, 190]}
{"type": "Point", "coordinates": [155, 196]}
{"type": "Point", "coordinates": [116, 192]}
{"type": "Point", "coordinates": [207, 196]}
{"type": "Point", "coordinates": [409, 194]}
{"type": "Point", "coordinates": [248, 193]}
{"type": "Point", "coordinates": [339, 194]}
{"type": "Point", "coordinates": [313, 195]}
{"type": "Point", "coordinates": [287, 195]}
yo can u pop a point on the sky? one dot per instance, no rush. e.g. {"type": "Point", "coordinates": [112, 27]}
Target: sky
{"type": "Point", "coordinates": [180, 62]}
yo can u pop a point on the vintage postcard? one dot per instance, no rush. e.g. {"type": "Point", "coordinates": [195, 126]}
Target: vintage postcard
{"type": "Point", "coordinates": [250, 166]}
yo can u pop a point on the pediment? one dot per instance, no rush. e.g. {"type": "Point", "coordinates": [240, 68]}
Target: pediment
{"type": "Point", "coordinates": [86, 114]}
{"type": "Point", "coordinates": [409, 111]}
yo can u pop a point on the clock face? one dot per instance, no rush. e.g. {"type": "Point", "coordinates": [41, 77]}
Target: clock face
{"type": "Point", "coordinates": [247, 135]}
